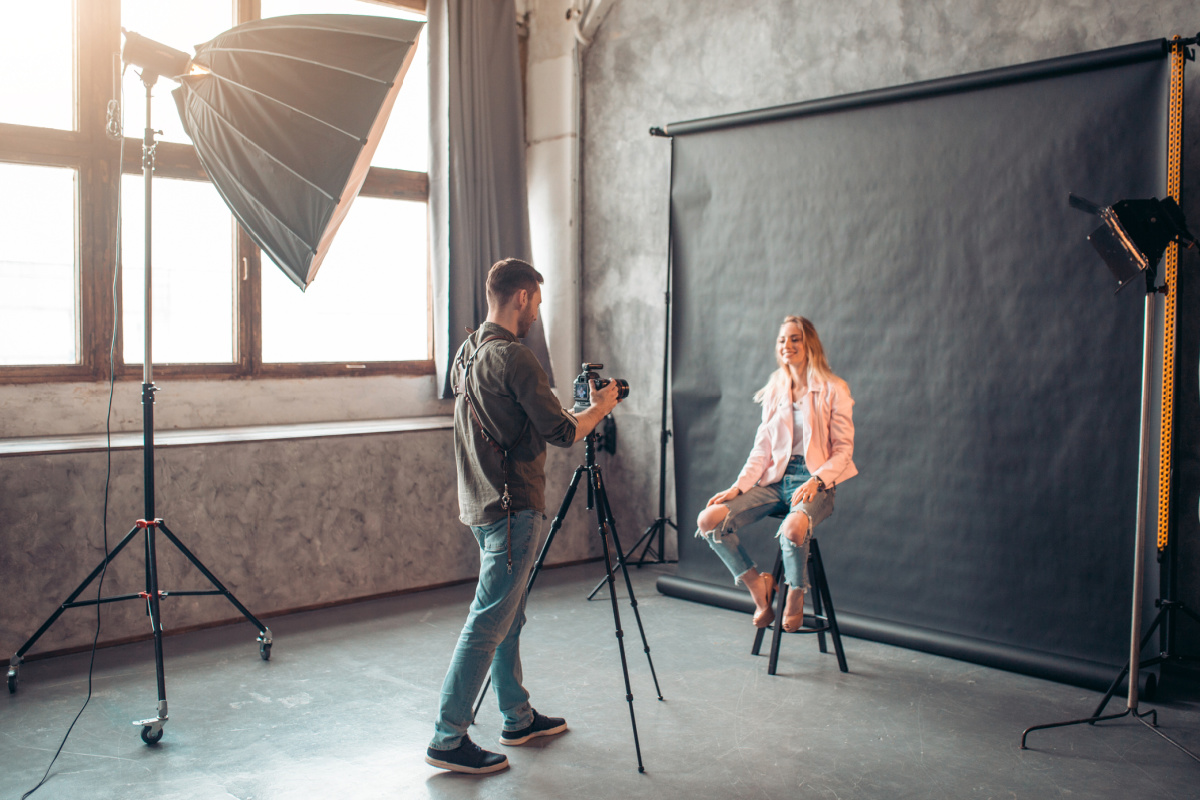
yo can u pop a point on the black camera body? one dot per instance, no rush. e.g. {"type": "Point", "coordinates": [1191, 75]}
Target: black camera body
{"type": "Point", "coordinates": [589, 376]}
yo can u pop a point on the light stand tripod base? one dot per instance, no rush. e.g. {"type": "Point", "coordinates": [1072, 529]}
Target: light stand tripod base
{"type": "Point", "coordinates": [659, 527]}
{"type": "Point", "coordinates": [152, 729]}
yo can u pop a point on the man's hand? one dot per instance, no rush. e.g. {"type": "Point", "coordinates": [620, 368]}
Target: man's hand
{"type": "Point", "coordinates": [606, 398]}
{"type": "Point", "coordinates": [602, 402]}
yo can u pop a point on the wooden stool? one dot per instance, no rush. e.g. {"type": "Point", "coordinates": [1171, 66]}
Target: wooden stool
{"type": "Point", "coordinates": [822, 610]}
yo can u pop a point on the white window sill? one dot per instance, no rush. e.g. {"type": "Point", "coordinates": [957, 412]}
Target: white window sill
{"type": "Point", "coordinates": [92, 442]}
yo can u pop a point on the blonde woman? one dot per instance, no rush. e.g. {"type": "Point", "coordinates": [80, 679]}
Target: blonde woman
{"type": "Point", "coordinates": [802, 451]}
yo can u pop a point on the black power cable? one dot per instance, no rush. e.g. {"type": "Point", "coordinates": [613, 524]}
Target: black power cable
{"type": "Point", "coordinates": [114, 130]}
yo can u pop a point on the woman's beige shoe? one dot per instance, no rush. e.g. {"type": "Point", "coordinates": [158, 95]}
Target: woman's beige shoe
{"type": "Point", "coordinates": [794, 622]}
{"type": "Point", "coordinates": [765, 616]}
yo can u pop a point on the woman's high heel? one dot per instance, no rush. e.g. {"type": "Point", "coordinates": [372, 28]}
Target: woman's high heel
{"type": "Point", "coordinates": [765, 616]}
{"type": "Point", "coordinates": [794, 622]}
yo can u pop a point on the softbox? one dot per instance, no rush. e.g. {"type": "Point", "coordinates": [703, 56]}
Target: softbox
{"type": "Point", "coordinates": [285, 114]}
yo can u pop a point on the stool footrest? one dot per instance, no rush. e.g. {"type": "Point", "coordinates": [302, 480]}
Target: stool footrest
{"type": "Point", "coordinates": [822, 611]}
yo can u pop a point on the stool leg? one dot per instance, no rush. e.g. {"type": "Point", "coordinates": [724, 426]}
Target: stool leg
{"type": "Point", "coordinates": [781, 598]}
{"type": "Point", "coordinates": [823, 589]}
{"type": "Point", "coordinates": [814, 580]}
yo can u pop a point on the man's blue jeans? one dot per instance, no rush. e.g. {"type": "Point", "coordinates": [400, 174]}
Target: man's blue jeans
{"type": "Point", "coordinates": [491, 636]}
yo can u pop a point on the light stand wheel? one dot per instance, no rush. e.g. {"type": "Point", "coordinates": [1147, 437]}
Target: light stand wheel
{"type": "Point", "coordinates": [12, 680]}
{"type": "Point", "coordinates": [151, 736]}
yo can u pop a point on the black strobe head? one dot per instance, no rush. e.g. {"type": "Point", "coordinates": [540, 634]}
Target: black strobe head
{"type": "Point", "coordinates": [155, 58]}
{"type": "Point", "coordinates": [1135, 233]}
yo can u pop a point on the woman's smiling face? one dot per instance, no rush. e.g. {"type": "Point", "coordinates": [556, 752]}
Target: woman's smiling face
{"type": "Point", "coordinates": [789, 347]}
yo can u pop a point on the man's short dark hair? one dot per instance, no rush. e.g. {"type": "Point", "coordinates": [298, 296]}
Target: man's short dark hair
{"type": "Point", "coordinates": [509, 276]}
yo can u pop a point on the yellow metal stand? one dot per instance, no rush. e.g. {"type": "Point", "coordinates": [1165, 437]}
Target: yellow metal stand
{"type": "Point", "coordinates": [1174, 174]}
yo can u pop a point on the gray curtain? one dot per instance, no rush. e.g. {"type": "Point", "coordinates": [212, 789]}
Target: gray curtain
{"type": "Point", "coordinates": [477, 200]}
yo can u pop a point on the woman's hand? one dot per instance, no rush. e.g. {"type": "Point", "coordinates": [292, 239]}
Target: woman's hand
{"type": "Point", "coordinates": [721, 497]}
{"type": "Point", "coordinates": [807, 492]}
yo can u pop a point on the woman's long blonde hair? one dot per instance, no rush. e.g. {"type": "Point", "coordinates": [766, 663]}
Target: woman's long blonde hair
{"type": "Point", "coordinates": [780, 384]}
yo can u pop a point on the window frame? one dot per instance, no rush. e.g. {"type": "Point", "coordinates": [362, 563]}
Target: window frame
{"type": "Point", "coordinates": [97, 160]}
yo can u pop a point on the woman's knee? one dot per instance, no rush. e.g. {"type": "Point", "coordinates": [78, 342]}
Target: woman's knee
{"type": "Point", "coordinates": [711, 517]}
{"type": "Point", "coordinates": [795, 528]}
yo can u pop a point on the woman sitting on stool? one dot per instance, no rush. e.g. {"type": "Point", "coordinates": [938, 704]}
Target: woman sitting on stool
{"type": "Point", "coordinates": [802, 451]}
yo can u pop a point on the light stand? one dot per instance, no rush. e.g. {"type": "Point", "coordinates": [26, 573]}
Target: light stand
{"type": "Point", "coordinates": [653, 540]}
{"type": "Point", "coordinates": [1134, 235]}
{"type": "Point", "coordinates": [152, 728]}
{"type": "Point", "coordinates": [658, 528]}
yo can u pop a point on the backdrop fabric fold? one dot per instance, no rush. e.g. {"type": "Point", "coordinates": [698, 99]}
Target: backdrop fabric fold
{"type": "Point", "coordinates": [478, 207]}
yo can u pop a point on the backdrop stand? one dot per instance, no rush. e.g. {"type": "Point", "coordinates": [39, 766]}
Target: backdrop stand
{"type": "Point", "coordinates": [152, 728]}
{"type": "Point", "coordinates": [653, 541]}
{"type": "Point", "coordinates": [1135, 637]}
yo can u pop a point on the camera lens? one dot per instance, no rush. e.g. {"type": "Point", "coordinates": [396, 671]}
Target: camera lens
{"type": "Point", "coordinates": [622, 388]}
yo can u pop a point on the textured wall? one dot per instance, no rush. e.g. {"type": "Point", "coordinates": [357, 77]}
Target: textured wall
{"type": "Point", "coordinates": [282, 524]}
{"type": "Point", "coordinates": [662, 61]}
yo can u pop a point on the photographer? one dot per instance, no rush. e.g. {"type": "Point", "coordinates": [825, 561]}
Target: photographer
{"type": "Point", "coordinates": [504, 414]}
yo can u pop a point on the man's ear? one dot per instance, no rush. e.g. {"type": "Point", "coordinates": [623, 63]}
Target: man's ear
{"type": "Point", "coordinates": [521, 298]}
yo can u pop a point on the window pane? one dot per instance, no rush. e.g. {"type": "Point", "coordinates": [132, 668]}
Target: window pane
{"type": "Point", "coordinates": [37, 33]}
{"type": "Point", "coordinates": [178, 25]}
{"type": "Point", "coordinates": [192, 273]}
{"type": "Point", "coordinates": [37, 266]}
{"type": "Point", "coordinates": [369, 301]}
{"type": "Point", "coordinates": [405, 143]}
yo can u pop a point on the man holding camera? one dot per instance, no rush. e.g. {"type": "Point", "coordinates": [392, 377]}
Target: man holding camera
{"type": "Point", "coordinates": [504, 414]}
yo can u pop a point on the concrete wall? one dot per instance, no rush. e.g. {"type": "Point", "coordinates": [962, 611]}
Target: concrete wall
{"type": "Point", "coordinates": [283, 524]}
{"type": "Point", "coordinates": [660, 61]}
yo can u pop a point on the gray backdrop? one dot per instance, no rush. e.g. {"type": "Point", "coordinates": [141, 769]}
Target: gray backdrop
{"type": "Point", "coordinates": [926, 232]}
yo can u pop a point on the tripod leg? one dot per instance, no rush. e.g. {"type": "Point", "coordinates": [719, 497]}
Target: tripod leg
{"type": "Point", "coordinates": [152, 730]}
{"type": "Point", "coordinates": [602, 497]}
{"type": "Point", "coordinates": [648, 546]}
{"type": "Point", "coordinates": [646, 537]}
{"type": "Point", "coordinates": [211, 578]}
{"type": "Point", "coordinates": [537, 567]}
{"type": "Point", "coordinates": [612, 596]}
{"type": "Point", "coordinates": [70, 599]}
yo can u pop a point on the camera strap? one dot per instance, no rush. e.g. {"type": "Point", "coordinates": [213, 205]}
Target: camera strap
{"type": "Point", "coordinates": [461, 388]}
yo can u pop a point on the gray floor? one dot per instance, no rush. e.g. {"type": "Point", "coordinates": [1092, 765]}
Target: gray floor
{"type": "Point", "coordinates": [343, 709]}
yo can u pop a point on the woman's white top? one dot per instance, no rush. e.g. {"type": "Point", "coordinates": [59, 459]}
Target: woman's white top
{"type": "Point", "coordinates": [800, 422]}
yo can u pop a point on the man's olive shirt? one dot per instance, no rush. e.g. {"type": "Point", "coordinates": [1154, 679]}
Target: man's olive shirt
{"type": "Point", "coordinates": [508, 386]}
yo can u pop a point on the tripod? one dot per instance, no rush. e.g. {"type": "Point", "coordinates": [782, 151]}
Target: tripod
{"type": "Point", "coordinates": [597, 499]}
{"type": "Point", "coordinates": [152, 729]}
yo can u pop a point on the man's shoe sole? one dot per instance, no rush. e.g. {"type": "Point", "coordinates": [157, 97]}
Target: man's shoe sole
{"type": "Point", "coordinates": [462, 768]}
{"type": "Point", "coordinates": [548, 732]}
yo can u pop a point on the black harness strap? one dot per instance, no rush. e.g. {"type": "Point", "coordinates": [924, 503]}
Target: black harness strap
{"type": "Point", "coordinates": [461, 388]}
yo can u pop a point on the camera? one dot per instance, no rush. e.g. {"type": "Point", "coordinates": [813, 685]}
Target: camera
{"type": "Point", "coordinates": [589, 376]}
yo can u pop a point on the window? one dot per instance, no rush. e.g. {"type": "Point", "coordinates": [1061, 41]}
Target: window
{"type": "Point", "coordinates": [37, 266]}
{"type": "Point", "coordinates": [219, 308]}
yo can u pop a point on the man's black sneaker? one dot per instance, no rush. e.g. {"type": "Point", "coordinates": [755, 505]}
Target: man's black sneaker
{"type": "Point", "coordinates": [467, 757]}
{"type": "Point", "coordinates": [541, 726]}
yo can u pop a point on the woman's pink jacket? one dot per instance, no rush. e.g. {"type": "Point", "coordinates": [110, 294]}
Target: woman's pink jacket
{"type": "Point", "coordinates": [830, 449]}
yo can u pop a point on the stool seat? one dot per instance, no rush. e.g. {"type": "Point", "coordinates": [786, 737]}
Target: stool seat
{"type": "Point", "coordinates": [823, 611]}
